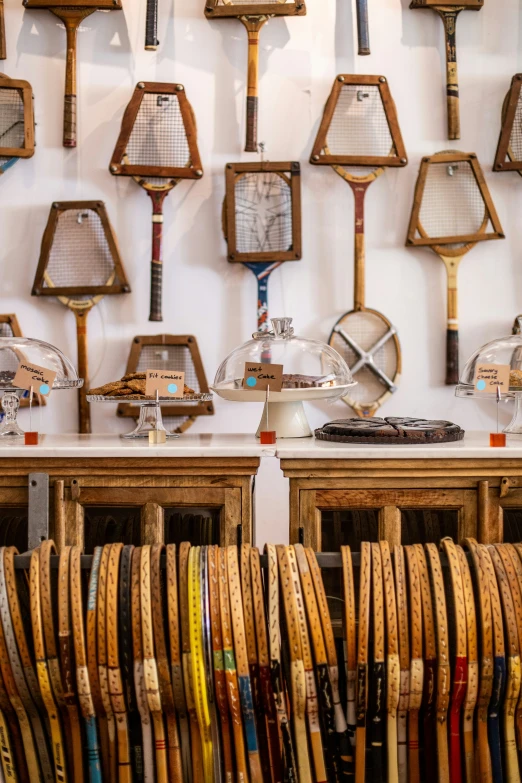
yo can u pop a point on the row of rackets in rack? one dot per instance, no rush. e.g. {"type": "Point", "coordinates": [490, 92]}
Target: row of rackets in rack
{"type": "Point", "coordinates": [212, 665]}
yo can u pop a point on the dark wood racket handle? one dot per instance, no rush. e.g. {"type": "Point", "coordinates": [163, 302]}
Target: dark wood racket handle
{"type": "Point", "coordinates": [151, 25]}
{"type": "Point", "coordinates": [83, 370]}
{"type": "Point", "coordinates": [3, 47]}
{"type": "Point", "coordinates": [452, 357]}
{"type": "Point", "coordinates": [252, 90]}
{"type": "Point", "coordinates": [363, 33]}
{"type": "Point", "coordinates": [156, 268]}
{"type": "Point", "coordinates": [449, 19]}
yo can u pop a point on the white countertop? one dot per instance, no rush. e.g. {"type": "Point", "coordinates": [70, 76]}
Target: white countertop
{"type": "Point", "coordinates": [188, 445]}
{"type": "Point", "coordinates": [474, 446]}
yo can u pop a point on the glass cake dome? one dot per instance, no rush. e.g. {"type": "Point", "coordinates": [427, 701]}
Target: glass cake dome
{"type": "Point", "coordinates": [506, 351]}
{"type": "Point", "coordinates": [14, 350]}
{"type": "Point", "coordinates": [312, 370]}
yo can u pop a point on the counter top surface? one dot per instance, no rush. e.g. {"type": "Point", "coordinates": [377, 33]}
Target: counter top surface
{"type": "Point", "coordinates": [187, 446]}
{"type": "Point", "coordinates": [474, 446]}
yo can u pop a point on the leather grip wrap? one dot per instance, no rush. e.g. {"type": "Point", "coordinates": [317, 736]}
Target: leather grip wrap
{"type": "Point", "coordinates": [151, 25]}
{"type": "Point", "coordinates": [452, 357]}
{"type": "Point", "coordinates": [363, 33]}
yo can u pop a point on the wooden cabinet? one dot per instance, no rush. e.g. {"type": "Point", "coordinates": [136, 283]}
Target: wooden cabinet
{"type": "Point", "coordinates": [96, 500]}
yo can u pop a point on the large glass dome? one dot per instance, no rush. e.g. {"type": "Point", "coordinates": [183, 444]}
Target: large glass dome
{"type": "Point", "coordinates": [14, 350]}
{"type": "Point", "coordinates": [504, 350]}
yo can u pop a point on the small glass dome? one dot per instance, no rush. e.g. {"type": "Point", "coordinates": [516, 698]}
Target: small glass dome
{"type": "Point", "coordinates": [504, 350]}
{"type": "Point", "coordinates": [14, 350]}
{"type": "Point", "coordinates": [307, 364]}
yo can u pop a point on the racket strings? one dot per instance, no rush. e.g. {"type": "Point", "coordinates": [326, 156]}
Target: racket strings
{"type": "Point", "coordinates": [452, 202]}
{"type": "Point", "coordinates": [515, 139]}
{"type": "Point", "coordinates": [158, 136]}
{"type": "Point", "coordinates": [80, 254]}
{"type": "Point", "coordinates": [263, 213]}
{"type": "Point", "coordinates": [12, 125]}
{"type": "Point", "coordinates": [169, 357]}
{"type": "Point", "coordinates": [359, 125]}
{"type": "Point", "coordinates": [366, 329]}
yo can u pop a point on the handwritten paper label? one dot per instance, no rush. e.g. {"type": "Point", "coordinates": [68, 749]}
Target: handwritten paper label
{"type": "Point", "coordinates": [168, 383]}
{"type": "Point", "coordinates": [260, 377]}
{"type": "Point", "coordinates": [40, 378]}
{"type": "Point", "coordinates": [489, 377]}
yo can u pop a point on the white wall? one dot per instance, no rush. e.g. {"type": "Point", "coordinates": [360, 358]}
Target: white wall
{"type": "Point", "coordinates": [205, 295]}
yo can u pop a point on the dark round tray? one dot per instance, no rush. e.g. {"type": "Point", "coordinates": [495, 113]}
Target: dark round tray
{"type": "Point", "coordinates": [390, 431]}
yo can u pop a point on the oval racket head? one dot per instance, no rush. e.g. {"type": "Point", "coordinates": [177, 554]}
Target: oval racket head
{"type": "Point", "coordinates": [369, 344]}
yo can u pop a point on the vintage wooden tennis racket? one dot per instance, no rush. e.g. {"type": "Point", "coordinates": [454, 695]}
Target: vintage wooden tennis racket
{"type": "Point", "coordinates": [71, 13]}
{"type": "Point", "coordinates": [151, 26]}
{"type": "Point", "coordinates": [363, 32]}
{"type": "Point", "coordinates": [16, 121]}
{"type": "Point", "coordinates": [359, 137]}
{"type": "Point", "coordinates": [448, 10]}
{"type": "Point", "coordinates": [452, 211]}
{"type": "Point", "coordinates": [79, 264]}
{"type": "Point", "coordinates": [253, 14]}
{"type": "Point", "coordinates": [262, 221]}
{"type": "Point", "coordinates": [157, 146]}
{"type": "Point", "coordinates": [509, 150]}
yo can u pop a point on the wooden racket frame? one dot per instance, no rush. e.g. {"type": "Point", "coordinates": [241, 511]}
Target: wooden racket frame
{"type": "Point", "coordinates": [228, 10]}
{"type": "Point", "coordinates": [415, 224]}
{"type": "Point", "coordinates": [128, 410]}
{"type": "Point", "coordinates": [119, 167]}
{"type": "Point", "coordinates": [58, 207]}
{"type": "Point", "coordinates": [26, 92]}
{"type": "Point", "coordinates": [291, 172]}
{"type": "Point", "coordinates": [321, 158]}
{"type": "Point", "coordinates": [502, 157]}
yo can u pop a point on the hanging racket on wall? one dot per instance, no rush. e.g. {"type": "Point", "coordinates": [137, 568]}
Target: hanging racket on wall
{"type": "Point", "coordinates": [262, 221]}
{"type": "Point", "coordinates": [151, 26]}
{"type": "Point", "coordinates": [9, 327]}
{"type": "Point", "coordinates": [170, 352]}
{"type": "Point", "coordinates": [79, 264]}
{"type": "Point", "coordinates": [449, 12]}
{"type": "Point", "coordinates": [16, 121]}
{"type": "Point", "coordinates": [253, 16]}
{"type": "Point", "coordinates": [3, 45]}
{"type": "Point", "coordinates": [157, 146]}
{"type": "Point", "coordinates": [72, 13]}
{"type": "Point", "coordinates": [509, 150]}
{"type": "Point", "coordinates": [359, 137]}
{"type": "Point", "coordinates": [452, 211]}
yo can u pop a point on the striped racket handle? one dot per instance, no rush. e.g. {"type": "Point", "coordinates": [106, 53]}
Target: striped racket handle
{"type": "Point", "coordinates": [151, 26]}
{"type": "Point", "coordinates": [156, 269]}
{"type": "Point", "coordinates": [363, 33]}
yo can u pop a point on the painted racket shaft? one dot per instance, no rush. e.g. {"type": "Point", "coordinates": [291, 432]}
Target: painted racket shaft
{"type": "Point", "coordinates": [252, 28]}
{"type": "Point", "coordinates": [156, 269]}
{"type": "Point", "coordinates": [151, 26]}
{"type": "Point", "coordinates": [262, 273]}
{"type": "Point", "coordinates": [449, 19]}
{"type": "Point", "coordinates": [452, 333]}
{"type": "Point", "coordinates": [3, 47]}
{"type": "Point", "coordinates": [363, 32]}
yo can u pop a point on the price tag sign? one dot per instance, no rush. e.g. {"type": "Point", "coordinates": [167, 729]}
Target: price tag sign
{"type": "Point", "coordinates": [40, 378]}
{"type": "Point", "coordinates": [490, 377]}
{"type": "Point", "coordinates": [260, 377]}
{"type": "Point", "coordinates": [168, 383]}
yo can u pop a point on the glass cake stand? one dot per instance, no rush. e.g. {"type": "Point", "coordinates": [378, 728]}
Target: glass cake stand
{"type": "Point", "coordinates": [14, 350]}
{"type": "Point", "coordinates": [150, 418]}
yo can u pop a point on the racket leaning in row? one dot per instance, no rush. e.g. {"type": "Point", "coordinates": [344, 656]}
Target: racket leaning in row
{"type": "Point", "coordinates": [16, 121]}
{"type": "Point", "coordinates": [157, 146]}
{"type": "Point", "coordinates": [262, 221]}
{"type": "Point", "coordinates": [79, 264]}
{"type": "Point", "coordinates": [452, 211]}
{"type": "Point", "coordinates": [71, 13]}
{"type": "Point", "coordinates": [449, 10]}
{"type": "Point", "coordinates": [359, 137]}
{"type": "Point", "coordinates": [253, 15]}
{"type": "Point", "coordinates": [509, 150]}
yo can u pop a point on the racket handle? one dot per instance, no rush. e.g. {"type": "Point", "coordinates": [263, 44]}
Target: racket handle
{"type": "Point", "coordinates": [359, 286]}
{"type": "Point", "coordinates": [69, 108]}
{"type": "Point", "coordinates": [252, 90]}
{"type": "Point", "coordinates": [156, 269]}
{"type": "Point", "coordinates": [452, 357]}
{"type": "Point", "coordinates": [151, 26]}
{"type": "Point", "coordinates": [452, 338]}
{"type": "Point", "coordinates": [449, 19]}
{"type": "Point", "coordinates": [156, 288]}
{"type": "Point", "coordinates": [83, 371]}
{"type": "Point", "coordinates": [3, 48]}
{"type": "Point", "coordinates": [363, 33]}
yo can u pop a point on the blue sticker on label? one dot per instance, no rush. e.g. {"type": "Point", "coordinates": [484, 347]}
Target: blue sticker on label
{"type": "Point", "coordinates": [481, 385]}
{"type": "Point", "coordinates": [172, 388]}
{"type": "Point", "coordinates": [251, 382]}
{"type": "Point", "coordinates": [44, 389]}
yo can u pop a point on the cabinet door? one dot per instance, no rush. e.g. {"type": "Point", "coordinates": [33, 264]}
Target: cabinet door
{"type": "Point", "coordinates": [94, 516]}
{"type": "Point", "coordinates": [331, 518]}
{"type": "Point", "coordinates": [508, 511]}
